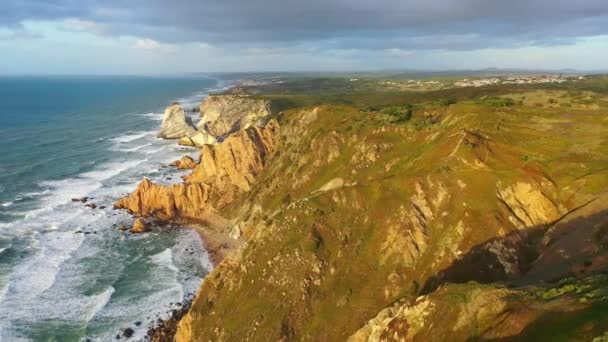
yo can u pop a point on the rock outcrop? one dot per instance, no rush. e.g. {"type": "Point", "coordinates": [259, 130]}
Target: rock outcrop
{"type": "Point", "coordinates": [199, 139]}
{"type": "Point", "coordinates": [225, 171]}
{"type": "Point", "coordinates": [528, 204]}
{"type": "Point", "coordinates": [139, 226]}
{"type": "Point", "coordinates": [225, 114]}
{"type": "Point", "coordinates": [185, 163]}
{"type": "Point", "coordinates": [182, 201]}
{"type": "Point", "coordinates": [478, 312]}
{"type": "Point", "coordinates": [240, 158]}
{"type": "Point", "coordinates": [175, 124]}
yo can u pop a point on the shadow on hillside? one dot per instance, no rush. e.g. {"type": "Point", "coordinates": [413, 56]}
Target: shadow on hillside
{"type": "Point", "coordinates": [577, 325]}
{"type": "Point", "coordinates": [578, 246]}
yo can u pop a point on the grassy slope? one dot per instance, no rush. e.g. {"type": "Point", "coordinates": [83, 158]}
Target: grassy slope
{"type": "Point", "coordinates": [317, 266]}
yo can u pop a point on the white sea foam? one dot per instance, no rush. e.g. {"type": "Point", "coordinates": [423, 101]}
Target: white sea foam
{"type": "Point", "coordinates": [6, 204]}
{"type": "Point", "coordinates": [153, 116]}
{"type": "Point", "coordinates": [132, 149]}
{"type": "Point", "coordinates": [45, 284]}
{"type": "Point", "coordinates": [101, 300]}
{"type": "Point", "coordinates": [36, 275]}
{"type": "Point", "coordinates": [165, 259]}
{"type": "Point", "coordinates": [131, 136]}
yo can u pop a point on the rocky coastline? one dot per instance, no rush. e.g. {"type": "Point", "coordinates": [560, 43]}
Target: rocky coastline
{"type": "Point", "coordinates": [237, 137]}
{"type": "Point", "coordinates": [318, 211]}
{"type": "Point", "coordinates": [165, 330]}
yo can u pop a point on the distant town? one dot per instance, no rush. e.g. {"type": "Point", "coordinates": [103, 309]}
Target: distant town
{"type": "Point", "coordinates": [516, 80]}
{"type": "Point", "coordinates": [476, 82]}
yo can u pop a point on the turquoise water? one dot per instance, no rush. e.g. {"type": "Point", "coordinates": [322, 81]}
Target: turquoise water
{"type": "Point", "coordinates": [66, 272]}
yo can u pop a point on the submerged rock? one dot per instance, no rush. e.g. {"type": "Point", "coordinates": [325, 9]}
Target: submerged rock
{"type": "Point", "coordinates": [128, 332]}
{"type": "Point", "coordinates": [175, 124]}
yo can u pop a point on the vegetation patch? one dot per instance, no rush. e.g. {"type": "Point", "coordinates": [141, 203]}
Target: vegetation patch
{"type": "Point", "coordinates": [497, 101]}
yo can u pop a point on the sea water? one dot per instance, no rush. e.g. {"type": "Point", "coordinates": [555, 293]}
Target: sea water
{"type": "Point", "coordinates": [66, 272]}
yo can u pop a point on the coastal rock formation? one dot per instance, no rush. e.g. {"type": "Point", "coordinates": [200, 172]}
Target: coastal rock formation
{"type": "Point", "coordinates": [175, 124]}
{"type": "Point", "coordinates": [239, 158]}
{"type": "Point", "coordinates": [185, 163]}
{"type": "Point", "coordinates": [199, 139]}
{"type": "Point", "coordinates": [225, 171]}
{"type": "Point", "coordinates": [225, 114]}
{"type": "Point", "coordinates": [186, 201]}
{"type": "Point", "coordinates": [139, 226]}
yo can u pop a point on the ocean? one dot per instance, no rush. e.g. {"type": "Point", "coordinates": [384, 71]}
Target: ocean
{"type": "Point", "coordinates": [66, 272]}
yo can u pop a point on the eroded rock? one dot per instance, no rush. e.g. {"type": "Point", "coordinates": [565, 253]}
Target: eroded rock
{"type": "Point", "coordinates": [239, 158]}
{"type": "Point", "coordinates": [199, 139]}
{"type": "Point", "coordinates": [224, 114]}
{"type": "Point", "coordinates": [185, 163]}
{"type": "Point", "coordinates": [139, 226]}
{"type": "Point", "coordinates": [175, 124]}
{"type": "Point", "coordinates": [528, 204]}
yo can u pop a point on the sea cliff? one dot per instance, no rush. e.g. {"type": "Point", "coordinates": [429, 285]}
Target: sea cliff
{"type": "Point", "coordinates": [357, 224]}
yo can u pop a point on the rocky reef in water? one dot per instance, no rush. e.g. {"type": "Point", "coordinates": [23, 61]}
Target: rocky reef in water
{"type": "Point", "coordinates": [465, 222]}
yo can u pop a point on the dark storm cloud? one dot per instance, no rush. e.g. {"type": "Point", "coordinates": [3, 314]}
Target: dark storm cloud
{"type": "Point", "coordinates": [414, 24]}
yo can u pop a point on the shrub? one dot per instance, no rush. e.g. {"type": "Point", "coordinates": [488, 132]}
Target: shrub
{"type": "Point", "coordinates": [401, 113]}
{"type": "Point", "coordinates": [447, 101]}
{"type": "Point", "coordinates": [497, 101]}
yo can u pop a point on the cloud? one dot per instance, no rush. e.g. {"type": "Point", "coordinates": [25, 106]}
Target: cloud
{"type": "Point", "coordinates": [151, 44]}
{"type": "Point", "coordinates": [262, 51]}
{"type": "Point", "coordinates": [399, 52]}
{"type": "Point", "coordinates": [88, 26]}
{"type": "Point", "coordinates": [333, 24]}
{"type": "Point", "coordinates": [18, 32]}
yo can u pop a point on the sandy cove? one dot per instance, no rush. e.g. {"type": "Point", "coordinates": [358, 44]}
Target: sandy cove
{"type": "Point", "coordinates": [216, 241]}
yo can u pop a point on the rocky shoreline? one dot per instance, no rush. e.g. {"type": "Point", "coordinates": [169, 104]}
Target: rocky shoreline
{"type": "Point", "coordinates": [165, 330]}
{"type": "Point", "coordinates": [218, 245]}
{"type": "Point", "coordinates": [236, 138]}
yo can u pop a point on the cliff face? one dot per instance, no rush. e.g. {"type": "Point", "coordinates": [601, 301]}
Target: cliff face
{"type": "Point", "coordinates": [190, 201]}
{"type": "Point", "coordinates": [363, 226]}
{"type": "Point", "coordinates": [199, 139]}
{"type": "Point", "coordinates": [240, 158]}
{"type": "Point", "coordinates": [175, 125]}
{"type": "Point", "coordinates": [223, 172]}
{"type": "Point", "coordinates": [225, 114]}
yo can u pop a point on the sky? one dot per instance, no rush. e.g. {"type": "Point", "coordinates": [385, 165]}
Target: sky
{"type": "Point", "coordinates": [182, 36]}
